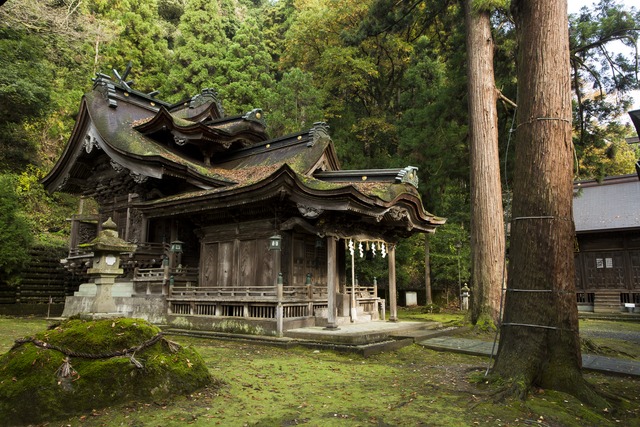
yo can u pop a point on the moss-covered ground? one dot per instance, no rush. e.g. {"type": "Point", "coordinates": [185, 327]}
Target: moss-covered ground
{"type": "Point", "coordinates": [79, 365]}
{"type": "Point", "coordinates": [272, 386]}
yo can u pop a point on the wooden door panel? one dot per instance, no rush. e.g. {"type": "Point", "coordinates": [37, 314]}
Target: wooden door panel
{"type": "Point", "coordinates": [226, 264]}
{"type": "Point", "coordinates": [247, 263]}
{"type": "Point", "coordinates": [209, 265]}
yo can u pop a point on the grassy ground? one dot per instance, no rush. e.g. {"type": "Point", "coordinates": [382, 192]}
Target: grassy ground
{"type": "Point", "coordinates": [270, 386]}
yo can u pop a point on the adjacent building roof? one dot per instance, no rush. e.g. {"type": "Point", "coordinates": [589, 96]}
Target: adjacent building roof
{"type": "Point", "coordinates": [635, 119]}
{"type": "Point", "coordinates": [613, 204]}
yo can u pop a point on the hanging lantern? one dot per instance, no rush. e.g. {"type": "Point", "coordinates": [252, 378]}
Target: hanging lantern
{"type": "Point", "coordinates": [275, 242]}
{"type": "Point", "coordinates": [176, 247]}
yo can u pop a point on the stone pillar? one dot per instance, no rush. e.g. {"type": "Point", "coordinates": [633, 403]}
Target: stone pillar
{"type": "Point", "coordinates": [104, 303]}
{"type": "Point", "coordinates": [393, 303]}
{"type": "Point", "coordinates": [332, 283]}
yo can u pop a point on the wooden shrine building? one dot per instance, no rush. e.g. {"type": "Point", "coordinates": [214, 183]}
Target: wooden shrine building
{"type": "Point", "coordinates": [607, 219]}
{"type": "Point", "coordinates": [233, 231]}
{"type": "Point", "coordinates": [607, 259]}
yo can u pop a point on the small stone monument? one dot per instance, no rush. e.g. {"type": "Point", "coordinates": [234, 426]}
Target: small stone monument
{"type": "Point", "coordinates": [464, 294]}
{"type": "Point", "coordinates": [106, 248]}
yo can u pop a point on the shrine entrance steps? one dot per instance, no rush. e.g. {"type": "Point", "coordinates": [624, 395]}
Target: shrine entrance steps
{"type": "Point", "coordinates": [607, 302]}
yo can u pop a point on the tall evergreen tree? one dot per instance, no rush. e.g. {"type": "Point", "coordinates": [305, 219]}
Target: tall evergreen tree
{"type": "Point", "coordinates": [295, 103]}
{"type": "Point", "coordinates": [487, 222]}
{"type": "Point", "coordinates": [602, 79]}
{"type": "Point", "coordinates": [140, 38]}
{"type": "Point", "coordinates": [247, 70]}
{"type": "Point", "coordinates": [360, 75]}
{"type": "Point", "coordinates": [539, 342]}
{"type": "Point", "coordinates": [200, 48]}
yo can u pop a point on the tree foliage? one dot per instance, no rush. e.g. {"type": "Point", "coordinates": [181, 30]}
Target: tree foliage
{"type": "Point", "coordinates": [200, 48]}
{"type": "Point", "coordinates": [15, 234]}
{"type": "Point", "coordinates": [295, 103]}
{"type": "Point", "coordinates": [247, 80]}
{"type": "Point", "coordinates": [25, 90]}
{"type": "Point", "coordinates": [602, 79]}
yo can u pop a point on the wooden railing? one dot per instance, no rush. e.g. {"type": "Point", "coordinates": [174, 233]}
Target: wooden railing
{"type": "Point", "coordinates": [275, 303]}
{"type": "Point", "coordinates": [186, 288]}
{"type": "Point", "coordinates": [270, 292]}
{"type": "Point", "coordinates": [364, 292]}
{"type": "Point", "coordinates": [158, 279]}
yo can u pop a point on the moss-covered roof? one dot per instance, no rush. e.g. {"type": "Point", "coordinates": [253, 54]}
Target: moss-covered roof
{"type": "Point", "coordinates": [117, 131]}
{"type": "Point", "coordinates": [154, 139]}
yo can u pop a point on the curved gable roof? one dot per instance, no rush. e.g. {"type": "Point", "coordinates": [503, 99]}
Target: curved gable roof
{"type": "Point", "coordinates": [126, 130]}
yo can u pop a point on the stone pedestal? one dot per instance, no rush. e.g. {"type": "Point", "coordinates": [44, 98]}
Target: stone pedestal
{"type": "Point", "coordinates": [104, 303]}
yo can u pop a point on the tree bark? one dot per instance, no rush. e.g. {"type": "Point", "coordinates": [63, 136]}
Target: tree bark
{"type": "Point", "coordinates": [427, 270]}
{"type": "Point", "coordinates": [487, 222]}
{"type": "Point", "coordinates": [539, 342]}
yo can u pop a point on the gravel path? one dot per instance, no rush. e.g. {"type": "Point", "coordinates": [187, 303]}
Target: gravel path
{"type": "Point", "coordinates": [613, 330]}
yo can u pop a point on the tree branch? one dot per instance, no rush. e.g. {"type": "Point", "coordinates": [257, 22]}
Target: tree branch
{"type": "Point", "coordinates": [505, 99]}
{"type": "Point", "coordinates": [616, 35]}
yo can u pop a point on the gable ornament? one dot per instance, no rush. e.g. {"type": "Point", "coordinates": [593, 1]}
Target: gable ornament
{"type": "Point", "coordinates": [309, 211]}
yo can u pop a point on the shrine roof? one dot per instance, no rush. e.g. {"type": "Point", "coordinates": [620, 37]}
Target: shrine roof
{"type": "Point", "coordinates": [260, 183]}
{"type": "Point", "coordinates": [216, 158]}
{"type": "Point", "coordinates": [154, 139]}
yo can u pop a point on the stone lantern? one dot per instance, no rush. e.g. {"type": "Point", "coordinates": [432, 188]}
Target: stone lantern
{"type": "Point", "coordinates": [106, 249]}
{"type": "Point", "coordinates": [464, 294]}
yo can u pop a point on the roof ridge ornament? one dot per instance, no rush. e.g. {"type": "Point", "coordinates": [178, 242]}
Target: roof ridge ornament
{"type": "Point", "coordinates": [203, 98]}
{"type": "Point", "coordinates": [255, 115]}
{"type": "Point", "coordinates": [408, 175]}
{"type": "Point", "coordinates": [120, 81]}
{"type": "Point", "coordinates": [319, 131]}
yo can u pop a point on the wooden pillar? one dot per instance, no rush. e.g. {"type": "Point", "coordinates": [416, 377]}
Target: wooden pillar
{"type": "Point", "coordinates": [353, 302]}
{"type": "Point", "coordinates": [275, 246]}
{"type": "Point", "coordinates": [332, 283]}
{"type": "Point", "coordinates": [144, 230]}
{"type": "Point", "coordinates": [127, 228]}
{"type": "Point", "coordinates": [341, 266]}
{"type": "Point", "coordinates": [279, 307]}
{"type": "Point", "coordinates": [173, 236]}
{"type": "Point", "coordinates": [393, 303]}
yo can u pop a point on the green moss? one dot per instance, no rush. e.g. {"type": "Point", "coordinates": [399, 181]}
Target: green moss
{"type": "Point", "coordinates": [485, 323]}
{"type": "Point", "coordinates": [233, 326]}
{"type": "Point", "coordinates": [33, 390]}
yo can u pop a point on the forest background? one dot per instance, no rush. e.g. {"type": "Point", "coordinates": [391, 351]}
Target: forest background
{"type": "Point", "coordinates": [388, 76]}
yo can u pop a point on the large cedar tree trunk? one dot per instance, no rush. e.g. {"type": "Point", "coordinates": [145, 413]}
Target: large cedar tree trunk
{"type": "Point", "coordinates": [539, 342]}
{"type": "Point", "coordinates": [487, 222]}
{"type": "Point", "coordinates": [427, 270]}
